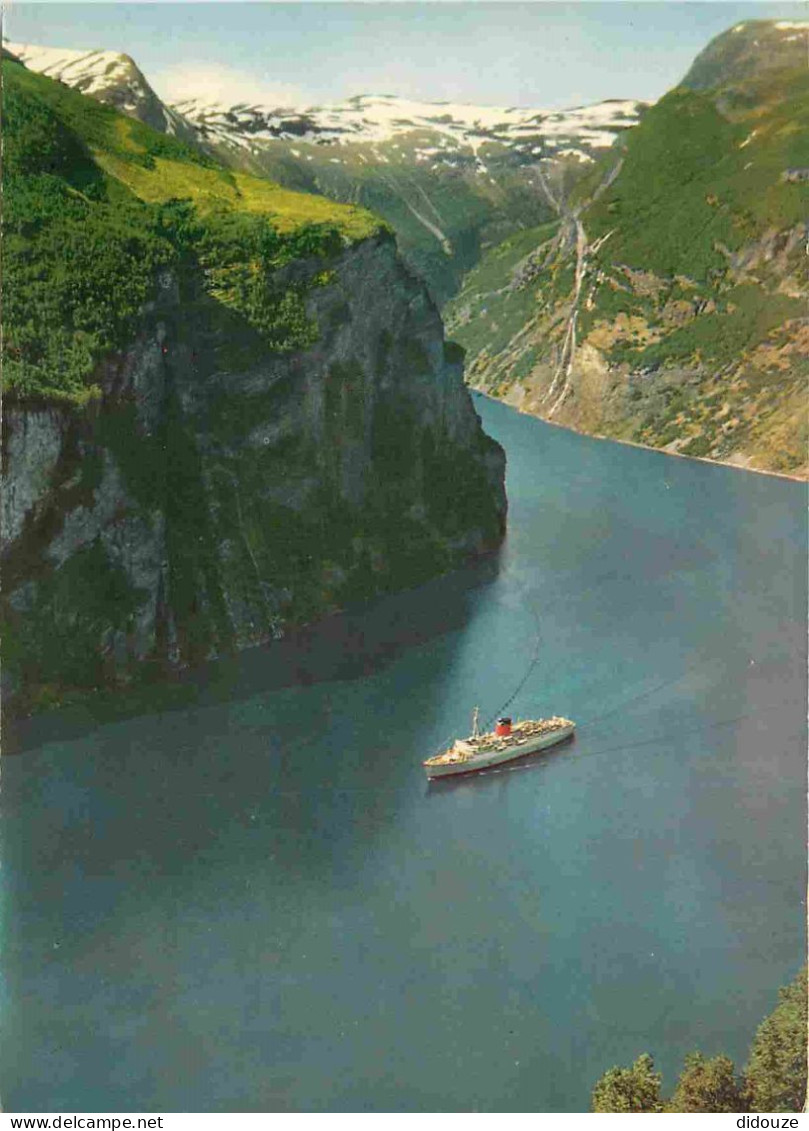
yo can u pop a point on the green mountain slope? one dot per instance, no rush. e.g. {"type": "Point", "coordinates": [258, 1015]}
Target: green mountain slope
{"type": "Point", "coordinates": [451, 180]}
{"type": "Point", "coordinates": [443, 216]}
{"type": "Point", "coordinates": [91, 216]}
{"type": "Point", "coordinates": [746, 52]}
{"type": "Point", "coordinates": [671, 306]}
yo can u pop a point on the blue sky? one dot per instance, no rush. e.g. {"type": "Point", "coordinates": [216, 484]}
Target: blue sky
{"type": "Point", "coordinates": [498, 53]}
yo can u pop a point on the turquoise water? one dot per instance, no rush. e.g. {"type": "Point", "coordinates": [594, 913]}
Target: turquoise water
{"type": "Point", "coordinates": [258, 904]}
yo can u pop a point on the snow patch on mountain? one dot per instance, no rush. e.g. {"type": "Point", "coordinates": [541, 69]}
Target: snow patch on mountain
{"type": "Point", "coordinates": [109, 77]}
{"type": "Point", "coordinates": [87, 71]}
{"type": "Point", "coordinates": [379, 119]}
{"type": "Point", "coordinates": [452, 129]}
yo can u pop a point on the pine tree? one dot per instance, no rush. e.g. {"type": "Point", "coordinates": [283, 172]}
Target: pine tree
{"type": "Point", "coordinates": [629, 1089]}
{"type": "Point", "coordinates": [775, 1076]}
{"type": "Point", "coordinates": [707, 1085]}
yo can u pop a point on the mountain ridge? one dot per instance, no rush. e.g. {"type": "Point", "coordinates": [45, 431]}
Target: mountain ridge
{"type": "Point", "coordinates": [361, 118]}
{"type": "Point", "coordinates": [450, 178]}
{"type": "Point", "coordinates": [371, 118]}
{"type": "Point", "coordinates": [747, 51]}
{"type": "Point", "coordinates": [110, 77]}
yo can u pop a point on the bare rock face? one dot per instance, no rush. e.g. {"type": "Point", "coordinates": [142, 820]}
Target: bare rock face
{"type": "Point", "coordinates": [32, 450]}
{"type": "Point", "coordinates": [219, 493]}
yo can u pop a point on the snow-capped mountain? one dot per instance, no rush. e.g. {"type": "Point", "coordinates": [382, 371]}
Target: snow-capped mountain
{"type": "Point", "coordinates": [108, 76]}
{"type": "Point", "coordinates": [450, 178]}
{"type": "Point", "coordinates": [377, 119]}
{"type": "Point", "coordinates": [535, 133]}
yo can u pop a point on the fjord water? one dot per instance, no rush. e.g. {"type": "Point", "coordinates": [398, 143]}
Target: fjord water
{"type": "Point", "coordinates": [258, 904]}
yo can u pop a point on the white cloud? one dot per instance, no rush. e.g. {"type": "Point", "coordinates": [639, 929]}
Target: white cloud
{"type": "Point", "coordinates": [216, 82]}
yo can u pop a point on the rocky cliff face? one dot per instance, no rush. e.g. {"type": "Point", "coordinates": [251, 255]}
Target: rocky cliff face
{"type": "Point", "coordinates": [218, 493]}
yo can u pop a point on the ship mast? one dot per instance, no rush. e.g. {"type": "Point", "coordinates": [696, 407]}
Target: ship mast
{"type": "Point", "coordinates": [475, 721]}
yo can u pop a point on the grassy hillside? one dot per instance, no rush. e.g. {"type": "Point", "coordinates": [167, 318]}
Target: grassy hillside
{"type": "Point", "coordinates": [499, 297]}
{"type": "Point", "coordinates": [443, 214]}
{"type": "Point", "coordinates": [746, 52]}
{"type": "Point", "coordinates": [703, 255]}
{"type": "Point", "coordinates": [96, 205]}
{"type": "Point", "coordinates": [688, 328]}
{"type": "Point", "coordinates": [698, 180]}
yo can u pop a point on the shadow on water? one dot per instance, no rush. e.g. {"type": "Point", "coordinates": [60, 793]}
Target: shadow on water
{"type": "Point", "coordinates": [134, 831]}
{"type": "Point", "coordinates": [349, 645]}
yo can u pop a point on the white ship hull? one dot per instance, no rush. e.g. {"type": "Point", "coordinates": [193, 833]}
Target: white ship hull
{"type": "Point", "coordinates": [465, 758]}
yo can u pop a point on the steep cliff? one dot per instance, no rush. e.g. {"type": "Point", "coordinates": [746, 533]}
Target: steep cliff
{"type": "Point", "coordinates": [668, 305]}
{"type": "Point", "coordinates": [277, 428]}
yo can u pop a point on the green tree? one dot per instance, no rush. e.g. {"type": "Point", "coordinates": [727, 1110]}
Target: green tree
{"type": "Point", "coordinates": [707, 1085]}
{"type": "Point", "coordinates": [775, 1076]}
{"type": "Point", "coordinates": [629, 1089]}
